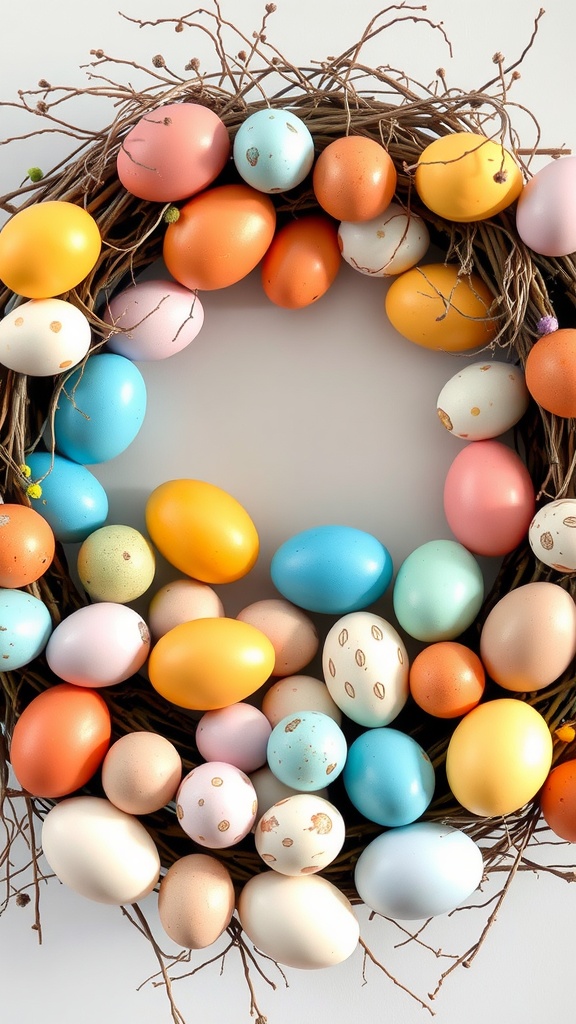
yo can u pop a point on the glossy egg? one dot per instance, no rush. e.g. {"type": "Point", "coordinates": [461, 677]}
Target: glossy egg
{"type": "Point", "coordinates": [210, 663]}
{"type": "Point", "coordinates": [300, 835]}
{"type": "Point", "coordinates": [43, 337]}
{"type": "Point", "coordinates": [237, 734]}
{"type": "Point", "coordinates": [273, 150]}
{"type": "Point", "coordinates": [289, 629]}
{"type": "Point", "coordinates": [447, 679]}
{"type": "Point", "coordinates": [438, 591]}
{"type": "Point", "coordinates": [60, 740]}
{"type": "Point", "coordinates": [116, 563]}
{"type": "Point", "coordinates": [141, 772]}
{"type": "Point", "coordinates": [26, 628]}
{"type": "Point", "coordinates": [153, 320]}
{"type": "Point", "coordinates": [529, 637]}
{"type": "Point", "coordinates": [202, 530]}
{"type": "Point", "coordinates": [464, 176]}
{"type": "Point", "coordinates": [216, 805]}
{"type": "Point", "coordinates": [388, 777]}
{"type": "Point", "coordinates": [100, 409]}
{"type": "Point", "coordinates": [180, 601]}
{"type": "Point", "coordinates": [546, 211]}
{"type": "Point", "coordinates": [551, 372]}
{"type": "Point", "coordinates": [437, 307]}
{"type": "Point", "coordinates": [298, 693]}
{"type": "Point", "coordinates": [173, 152]}
{"type": "Point", "coordinates": [552, 534]}
{"type": "Point", "coordinates": [48, 248]}
{"type": "Point", "coordinates": [385, 246]}
{"type": "Point", "coordinates": [418, 871]}
{"type": "Point", "coordinates": [365, 665]}
{"type": "Point", "coordinates": [307, 751]}
{"type": "Point", "coordinates": [302, 262]}
{"type": "Point", "coordinates": [331, 568]}
{"type": "Point", "coordinates": [196, 900]}
{"type": "Point", "coordinates": [98, 645]}
{"type": "Point", "coordinates": [27, 545]}
{"type": "Point", "coordinates": [489, 498]}
{"type": "Point", "coordinates": [99, 851]}
{"type": "Point", "coordinates": [219, 237]}
{"type": "Point", "coordinates": [354, 178]}
{"type": "Point", "coordinates": [67, 495]}
{"type": "Point", "coordinates": [558, 801]}
{"type": "Point", "coordinates": [498, 757]}
{"type": "Point", "coordinates": [483, 400]}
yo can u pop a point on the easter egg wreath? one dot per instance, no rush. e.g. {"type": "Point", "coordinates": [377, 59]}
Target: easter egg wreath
{"type": "Point", "coordinates": [290, 169]}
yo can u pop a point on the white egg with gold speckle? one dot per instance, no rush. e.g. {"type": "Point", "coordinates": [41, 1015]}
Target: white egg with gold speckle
{"type": "Point", "coordinates": [483, 400]}
{"type": "Point", "coordinates": [216, 804]}
{"type": "Point", "coordinates": [552, 534]}
{"type": "Point", "coordinates": [300, 835]}
{"type": "Point", "coordinates": [43, 337]}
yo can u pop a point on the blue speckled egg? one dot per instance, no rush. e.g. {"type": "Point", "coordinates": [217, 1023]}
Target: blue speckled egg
{"type": "Point", "coordinates": [273, 150]}
{"type": "Point", "coordinates": [306, 750]}
{"type": "Point", "coordinates": [438, 591]}
{"type": "Point", "coordinates": [332, 569]}
{"type": "Point", "coordinates": [25, 628]}
{"type": "Point", "coordinates": [388, 777]}
{"type": "Point", "coordinates": [72, 500]}
{"type": "Point", "coordinates": [100, 409]}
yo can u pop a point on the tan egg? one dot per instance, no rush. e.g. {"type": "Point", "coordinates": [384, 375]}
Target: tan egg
{"type": "Point", "coordinates": [181, 601]}
{"type": "Point", "coordinates": [290, 630]}
{"type": "Point", "coordinates": [116, 563]}
{"type": "Point", "coordinates": [269, 790]}
{"type": "Point", "coordinates": [196, 900]}
{"type": "Point", "coordinates": [298, 693]}
{"type": "Point", "coordinates": [141, 772]}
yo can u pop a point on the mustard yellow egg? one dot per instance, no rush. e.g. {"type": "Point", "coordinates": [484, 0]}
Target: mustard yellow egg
{"type": "Point", "coordinates": [466, 177]}
{"type": "Point", "coordinates": [202, 530]}
{"type": "Point", "coordinates": [437, 307]}
{"type": "Point", "coordinates": [211, 663]}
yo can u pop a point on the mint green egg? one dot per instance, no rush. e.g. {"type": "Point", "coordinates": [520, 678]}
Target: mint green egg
{"type": "Point", "coordinates": [438, 591]}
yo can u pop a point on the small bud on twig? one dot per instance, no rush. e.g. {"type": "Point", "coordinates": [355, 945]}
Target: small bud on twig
{"type": "Point", "coordinates": [158, 61]}
{"type": "Point", "coordinates": [171, 215]}
{"type": "Point", "coordinates": [35, 174]}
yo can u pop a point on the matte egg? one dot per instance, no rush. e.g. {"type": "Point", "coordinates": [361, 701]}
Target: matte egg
{"type": "Point", "coordinates": [388, 777]}
{"type": "Point", "coordinates": [298, 693]}
{"type": "Point", "coordinates": [552, 534]}
{"type": "Point", "coordinates": [43, 337]}
{"type": "Point", "coordinates": [141, 772]}
{"type": "Point", "coordinates": [447, 679]}
{"type": "Point", "coordinates": [180, 601]}
{"type": "Point", "coordinates": [216, 804]}
{"type": "Point", "coordinates": [438, 591]}
{"type": "Point", "coordinates": [354, 178]}
{"type": "Point", "coordinates": [558, 800]}
{"type": "Point", "coordinates": [67, 495]}
{"type": "Point", "coordinates": [237, 734]}
{"type": "Point", "coordinates": [300, 835]}
{"type": "Point", "coordinates": [196, 900]}
{"type": "Point", "coordinates": [385, 246]}
{"type": "Point", "coordinates": [273, 150]}
{"type": "Point", "coordinates": [551, 372]}
{"type": "Point", "coordinates": [26, 627]}
{"type": "Point", "coordinates": [302, 262]}
{"type": "Point", "coordinates": [290, 630]}
{"type": "Point", "coordinates": [27, 545]}
{"type": "Point", "coordinates": [307, 751]}
{"type": "Point", "coordinates": [99, 645]}
{"type": "Point", "coordinates": [483, 400]}
{"type": "Point", "coordinates": [546, 210]}
{"type": "Point", "coordinates": [153, 320]}
{"type": "Point", "coordinates": [116, 563]}
{"type": "Point", "coordinates": [269, 789]}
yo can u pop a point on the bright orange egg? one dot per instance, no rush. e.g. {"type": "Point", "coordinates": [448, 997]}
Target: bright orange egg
{"type": "Point", "coordinates": [26, 545]}
{"type": "Point", "coordinates": [354, 178]}
{"type": "Point", "coordinates": [219, 237]}
{"type": "Point", "coordinates": [447, 679]}
{"type": "Point", "coordinates": [558, 800]}
{"type": "Point", "coordinates": [551, 372]}
{"type": "Point", "coordinates": [302, 262]}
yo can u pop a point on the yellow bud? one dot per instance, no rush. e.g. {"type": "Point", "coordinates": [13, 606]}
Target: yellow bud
{"type": "Point", "coordinates": [34, 491]}
{"type": "Point", "coordinates": [565, 733]}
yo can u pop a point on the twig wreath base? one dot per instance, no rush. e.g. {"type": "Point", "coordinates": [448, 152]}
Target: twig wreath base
{"type": "Point", "coordinates": [339, 96]}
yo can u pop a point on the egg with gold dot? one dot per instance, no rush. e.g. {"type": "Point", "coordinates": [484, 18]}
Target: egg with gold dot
{"type": "Point", "coordinates": [483, 400]}
{"type": "Point", "coordinates": [116, 563]}
{"type": "Point", "coordinates": [216, 804]}
{"type": "Point", "coordinates": [300, 835]}
{"type": "Point", "coordinates": [43, 337]}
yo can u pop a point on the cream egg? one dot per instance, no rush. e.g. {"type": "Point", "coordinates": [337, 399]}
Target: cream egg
{"type": "Point", "coordinates": [141, 772]}
{"type": "Point", "coordinates": [179, 601]}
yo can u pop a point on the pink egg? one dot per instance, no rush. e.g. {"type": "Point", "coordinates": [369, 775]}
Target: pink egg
{"type": "Point", "coordinates": [173, 152]}
{"type": "Point", "coordinates": [237, 734]}
{"type": "Point", "coordinates": [99, 645]}
{"type": "Point", "coordinates": [489, 498]}
{"type": "Point", "coordinates": [298, 693]}
{"type": "Point", "coordinates": [290, 630]}
{"type": "Point", "coordinates": [546, 210]}
{"type": "Point", "coordinates": [182, 601]}
{"type": "Point", "coordinates": [216, 805]}
{"type": "Point", "coordinates": [153, 320]}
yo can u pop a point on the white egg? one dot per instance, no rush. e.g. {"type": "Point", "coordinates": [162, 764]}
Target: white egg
{"type": "Point", "coordinates": [365, 665]}
{"type": "Point", "coordinates": [483, 400]}
{"type": "Point", "coordinates": [300, 835]}
{"type": "Point", "coordinates": [552, 534]}
{"type": "Point", "coordinates": [385, 246]}
{"type": "Point", "coordinates": [43, 337]}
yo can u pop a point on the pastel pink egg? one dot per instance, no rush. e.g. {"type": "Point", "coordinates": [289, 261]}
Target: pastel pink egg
{"type": "Point", "coordinates": [216, 805]}
{"type": "Point", "coordinates": [237, 734]}
{"type": "Point", "coordinates": [99, 645]}
{"type": "Point", "coordinates": [153, 320]}
{"type": "Point", "coordinates": [290, 630]}
{"type": "Point", "coordinates": [180, 601]}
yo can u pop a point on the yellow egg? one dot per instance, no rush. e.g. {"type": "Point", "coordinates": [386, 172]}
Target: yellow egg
{"type": "Point", "coordinates": [498, 757]}
{"type": "Point", "coordinates": [466, 177]}
{"type": "Point", "coordinates": [202, 530]}
{"type": "Point", "coordinates": [210, 663]}
{"type": "Point", "coordinates": [116, 563]}
{"type": "Point", "coordinates": [437, 307]}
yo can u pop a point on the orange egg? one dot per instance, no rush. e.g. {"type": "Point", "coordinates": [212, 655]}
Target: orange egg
{"type": "Point", "coordinates": [354, 178]}
{"type": "Point", "coordinates": [558, 801]}
{"type": "Point", "coordinates": [447, 679]}
{"type": "Point", "coordinates": [219, 237]}
{"type": "Point", "coordinates": [26, 545]}
{"type": "Point", "coordinates": [302, 262]}
{"type": "Point", "coordinates": [60, 740]}
{"type": "Point", "coordinates": [437, 307]}
{"type": "Point", "coordinates": [551, 372]}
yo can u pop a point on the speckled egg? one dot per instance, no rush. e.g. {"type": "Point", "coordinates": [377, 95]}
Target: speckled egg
{"type": "Point", "coordinates": [273, 150]}
{"type": "Point", "coordinates": [552, 534]}
{"type": "Point", "coordinates": [307, 750]}
{"type": "Point", "coordinates": [483, 400]}
{"type": "Point", "coordinates": [385, 246]}
{"type": "Point", "coordinates": [116, 563]}
{"type": "Point", "coordinates": [300, 835]}
{"type": "Point", "coordinates": [216, 804]}
{"type": "Point", "coordinates": [43, 337]}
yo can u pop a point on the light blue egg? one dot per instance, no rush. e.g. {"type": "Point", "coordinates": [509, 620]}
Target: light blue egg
{"type": "Point", "coordinates": [388, 777]}
{"type": "Point", "coordinates": [306, 751]}
{"type": "Point", "coordinates": [73, 501]}
{"type": "Point", "coordinates": [100, 410]}
{"type": "Point", "coordinates": [332, 569]}
{"type": "Point", "coordinates": [273, 150]}
{"type": "Point", "coordinates": [25, 627]}
{"type": "Point", "coordinates": [438, 591]}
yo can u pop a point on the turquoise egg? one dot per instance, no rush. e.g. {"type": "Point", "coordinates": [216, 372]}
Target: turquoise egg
{"type": "Point", "coordinates": [306, 751]}
{"type": "Point", "coordinates": [438, 592]}
{"type": "Point", "coordinates": [100, 409]}
{"type": "Point", "coordinates": [273, 150]}
{"type": "Point", "coordinates": [388, 777]}
{"type": "Point", "coordinates": [25, 628]}
{"type": "Point", "coordinates": [72, 501]}
{"type": "Point", "coordinates": [332, 569]}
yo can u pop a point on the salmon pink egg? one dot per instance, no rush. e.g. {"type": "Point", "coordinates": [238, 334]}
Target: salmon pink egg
{"type": "Point", "coordinates": [447, 679]}
{"type": "Point", "coordinates": [354, 178]}
{"type": "Point", "coordinates": [180, 601]}
{"type": "Point", "coordinates": [27, 545]}
{"type": "Point", "coordinates": [302, 262]}
{"type": "Point", "coordinates": [290, 630]}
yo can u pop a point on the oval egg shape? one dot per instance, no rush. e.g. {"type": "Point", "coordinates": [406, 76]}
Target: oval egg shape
{"type": "Point", "coordinates": [552, 534]}
{"type": "Point", "coordinates": [210, 663]}
{"type": "Point", "coordinates": [354, 178]}
{"type": "Point", "coordinates": [99, 645]}
{"type": "Point", "coordinates": [116, 563]}
{"type": "Point", "coordinates": [389, 777]}
{"type": "Point", "coordinates": [551, 372]}
{"type": "Point", "coordinates": [153, 320]}
{"type": "Point", "coordinates": [438, 591]}
{"type": "Point", "coordinates": [26, 628]}
{"type": "Point", "coordinates": [27, 545]}
{"type": "Point", "coordinates": [546, 210]}
{"type": "Point", "coordinates": [67, 494]}
{"type": "Point", "coordinates": [273, 150]}
{"type": "Point", "coordinates": [385, 246]}
{"type": "Point", "coordinates": [43, 337]}
{"type": "Point", "coordinates": [301, 263]}
{"type": "Point", "coordinates": [307, 751]}
{"type": "Point", "coordinates": [483, 400]}
{"type": "Point", "coordinates": [300, 835]}
{"type": "Point", "coordinates": [332, 569]}
{"type": "Point", "coordinates": [196, 900]}
{"type": "Point", "coordinates": [141, 772]}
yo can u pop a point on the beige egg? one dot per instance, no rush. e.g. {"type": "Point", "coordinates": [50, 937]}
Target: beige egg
{"type": "Point", "coordinates": [181, 601]}
{"type": "Point", "coordinates": [298, 693]}
{"type": "Point", "coordinates": [196, 900]}
{"type": "Point", "coordinates": [116, 563]}
{"type": "Point", "coordinates": [141, 772]}
{"type": "Point", "coordinates": [289, 629]}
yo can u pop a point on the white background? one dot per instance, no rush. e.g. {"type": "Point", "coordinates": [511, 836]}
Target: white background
{"type": "Point", "coordinates": [318, 416]}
